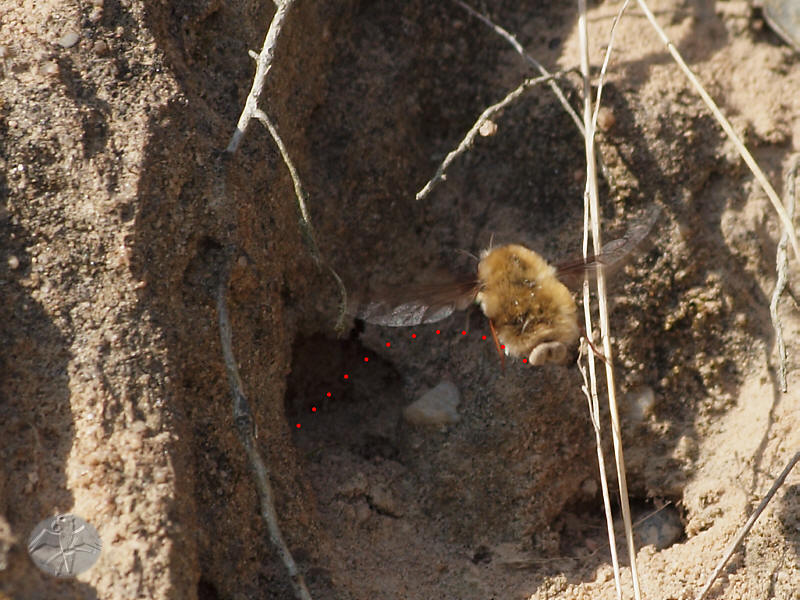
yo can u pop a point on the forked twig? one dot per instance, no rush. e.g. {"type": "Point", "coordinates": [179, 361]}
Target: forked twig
{"type": "Point", "coordinates": [473, 131]}
{"type": "Point", "coordinates": [747, 526]}
{"type": "Point", "coordinates": [528, 58]}
{"type": "Point", "coordinates": [251, 110]}
{"type": "Point", "coordinates": [263, 65]}
{"type": "Point", "coordinates": [782, 266]}
{"type": "Point", "coordinates": [243, 418]}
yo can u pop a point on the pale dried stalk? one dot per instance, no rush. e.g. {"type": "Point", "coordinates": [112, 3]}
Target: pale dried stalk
{"type": "Point", "coordinates": [747, 526]}
{"type": "Point", "coordinates": [782, 267]}
{"type": "Point", "coordinates": [590, 391]}
{"type": "Point", "coordinates": [594, 217]}
{"type": "Point", "coordinates": [728, 128]}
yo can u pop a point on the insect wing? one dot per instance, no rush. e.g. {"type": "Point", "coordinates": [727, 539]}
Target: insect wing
{"type": "Point", "coordinates": [613, 256]}
{"type": "Point", "coordinates": [413, 305]}
{"type": "Point", "coordinates": [616, 253]}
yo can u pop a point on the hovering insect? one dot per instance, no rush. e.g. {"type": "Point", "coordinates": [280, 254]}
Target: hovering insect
{"type": "Point", "coordinates": [531, 311]}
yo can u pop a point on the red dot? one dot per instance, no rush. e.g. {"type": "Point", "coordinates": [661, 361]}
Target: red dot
{"type": "Point", "coordinates": [328, 394]}
{"type": "Point", "coordinates": [298, 425]}
{"type": "Point", "coordinates": [524, 360]}
{"type": "Point", "coordinates": [313, 409]}
{"type": "Point", "coordinates": [366, 359]}
{"type": "Point", "coordinates": [388, 345]}
{"type": "Point", "coordinates": [463, 332]}
{"type": "Point", "coordinates": [502, 347]}
{"type": "Point", "coordinates": [346, 376]}
{"type": "Point", "coordinates": [438, 331]}
{"type": "Point", "coordinates": [483, 337]}
{"type": "Point", "coordinates": [413, 335]}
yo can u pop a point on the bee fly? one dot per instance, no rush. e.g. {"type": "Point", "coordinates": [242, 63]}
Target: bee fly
{"type": "Point", "coordinates": [531, 311]}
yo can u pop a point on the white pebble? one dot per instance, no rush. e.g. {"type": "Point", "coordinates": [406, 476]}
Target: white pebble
{"type": "Point", "coordinates": [69, 39]}
{"type": "Point", "coordinates": [641, 403]}
{"type": "Point", "coordinates": [437, 406]}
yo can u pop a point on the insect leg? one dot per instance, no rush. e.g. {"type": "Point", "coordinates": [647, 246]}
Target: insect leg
{"type": "Point", "coordinates": [497, 346]}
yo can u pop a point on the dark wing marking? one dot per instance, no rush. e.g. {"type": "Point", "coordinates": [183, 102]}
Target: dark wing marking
{"type": "Point", "coordinates": [614, 255]}
{"type": "Point", "coordinates": [416, 304]}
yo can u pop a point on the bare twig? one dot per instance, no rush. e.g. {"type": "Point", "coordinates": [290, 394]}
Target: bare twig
{"type": "Point", "coordinates": [473, 131]}
{"type": "Point", "coordinates": [591, 198]}
{"type": "Point", "coordinates": [263, 65]}
{"type": "Point", "coordinates": [747, 526]}
{"type": "Point", "coordinates": [528, 58]}
{"type": "Point", "coordinates": [305, 221]}
{"type": "Point", "coordinates": [728, 128]}
{"type": "Point", "coordinates": [251, 110]}
{"type": "Point", "coordinates": [782, 266]}
{"type": "Point", "coordinates": [243, 418]}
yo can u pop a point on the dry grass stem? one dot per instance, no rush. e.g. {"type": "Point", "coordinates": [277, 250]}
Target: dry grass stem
{"type": "Point", "coordinates": [528, 58]}
{"type": "Point", "coordinates": [243, 418]}
{"type": "Point", "coordinates": [728, 128]}
{"type": "Point", "coordinates": [591, 197]}
{"type": "Point", "coordinates": [590, 391]}
{"type": "Point", "coordinates": [747, 526]}
{"type": "Point", "coordinates": [473, 131]}
{"type": "Point", "coordinates": [782, 267]}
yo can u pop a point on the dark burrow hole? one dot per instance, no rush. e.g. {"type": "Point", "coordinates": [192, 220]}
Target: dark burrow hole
{"type": "Point", "coordinates": [582, 532]}
{"type": "Point", "coordinates": [657, 522]}
{"type": "Point", "coordinates": [339, 399]}
{"type": "Point", "coordinates": [206, 590]}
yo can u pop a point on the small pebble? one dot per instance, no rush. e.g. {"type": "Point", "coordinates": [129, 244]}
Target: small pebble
{"type": "Point", "coordinates": [641, 403]}
{"type": "Point", "coordinates": [362, 511]}
{"type": "Point", "coordinates": [13, 262]}
{"type": "Point", "coordinates": [437, 406]}
{"type": "Point", "coordinates": [100, 48]}
{"type": "Point", "coordinates": [383, 501]}
{"type": "Point", "coordinates": [589, 487]}
{"type": "Point", "coordinates": [605, 118]}
{"type": "Point", "coordinates": [356, 486]}
{"type": "Point", "coordinates": [661, 529]}
{"type": "Point", "coordinates": [69, 39]}
{"type": "Point", "coordinates": [49, 68]}
{"type": "Point", "coordinates": [488, 128]}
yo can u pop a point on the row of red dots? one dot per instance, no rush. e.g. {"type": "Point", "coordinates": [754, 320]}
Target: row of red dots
{"type": "Point", "coordinates": [389, 345]}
